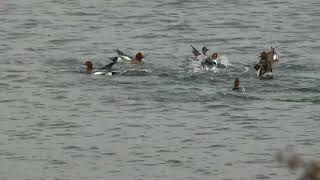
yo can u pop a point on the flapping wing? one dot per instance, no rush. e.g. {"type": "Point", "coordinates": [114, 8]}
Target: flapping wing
{"type": "Point", "coordinates": [257, 67]}
{"type": "Point", "coordinates": [275, 57]}
{"type": "Point", "coordinates": [273, 50]}
{"type": "Point", "coordinates": [123, 55]}
{"type": "Point", "coordinates": [195, 51]}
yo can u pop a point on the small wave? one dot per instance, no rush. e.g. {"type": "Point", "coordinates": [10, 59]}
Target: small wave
{"type": "Point", "coordinates": [136, 72]}
{"type": "Point", "coordinates": [314, 100]}
{"type": "Point", "coordinates": [81, 13]}
{"type": "Point", "coordinates": [64, 41]}
{"type": "Point", "coordinates": [231, 93]}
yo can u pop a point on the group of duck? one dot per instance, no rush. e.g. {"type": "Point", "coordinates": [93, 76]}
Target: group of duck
{"type": "Point", "coordinates": [263, 67]}
{"type": "Point", "coordinates": [107, 69]}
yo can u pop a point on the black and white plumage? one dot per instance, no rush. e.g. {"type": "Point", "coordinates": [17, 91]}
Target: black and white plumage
{"type": "Point", "coordinates": [198, 56]}
{"type": "Point", "coordinates": [123, 56]}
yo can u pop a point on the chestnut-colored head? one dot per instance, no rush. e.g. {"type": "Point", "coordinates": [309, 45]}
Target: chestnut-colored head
{"type": "Point", "coordinates": [88, 64]}
{"type": "Point", "coordinates": [313, 171]}
{"type": "Point", "coordinates": [236, 83]}
{"type": "Point", "coordinates": [214, 55]}
{"type": "Point", "coordinates": [139, 56]}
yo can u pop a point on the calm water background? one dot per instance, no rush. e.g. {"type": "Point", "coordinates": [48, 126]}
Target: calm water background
{"type": "Point", "coordinates": [167, 119]}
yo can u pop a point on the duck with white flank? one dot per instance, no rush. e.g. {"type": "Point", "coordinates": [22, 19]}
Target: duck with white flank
{"type": "Point", "coordinates": [107, 68]}
{"type": "Point", "coordinates": [206, 61]}
{"type": "Point", "coordinates": [264, 67]}
{"type": "Point", "coordinates": [137, 59]}
{"type": "Point", "coordinates": [214, 61]}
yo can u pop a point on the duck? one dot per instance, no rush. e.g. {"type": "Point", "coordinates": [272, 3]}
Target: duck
{"type": "Point", "coordinates": [107, 68]}
{"type": "Point", "coordinates": [200, 56]}
{"type": "Point", "coordinates": [137, 59]}
{"type": "Point", "coordinates": [213, 61]}
{"type": "Point", "coordinates": [264, 67]}
{"type": "Point", "coordinates": [206, 61]}
{"type": "Point", "coordinates": [236, 86]}
{"type": "Point", "coordinates": [270, 56]}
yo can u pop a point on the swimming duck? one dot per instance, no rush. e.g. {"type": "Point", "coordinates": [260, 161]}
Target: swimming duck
{"type": "Point", "coordinates": [137, 59]}
{"type": "Point", "coordinates": [270, 56]}
{"type": "Point", "coordinates": [107, 68]}
{"type": "Point", "coordinates": [213, 61]}
{"type": "Point", "coordinates": [236, 86]}
{"type": "Point", "coordinates": [264, 67]}
{"type": "Point", "coordinates": [200, 56]}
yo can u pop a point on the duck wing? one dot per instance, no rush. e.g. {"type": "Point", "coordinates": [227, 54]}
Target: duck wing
{"type": "Point", "coordinates": [195, 51]}
{"type": "Point", "coordinates": [273, 49]}
{"type": "Point", "coordinates": [257, 67]}
{"type": "Point", "coordinates": [123, 55]}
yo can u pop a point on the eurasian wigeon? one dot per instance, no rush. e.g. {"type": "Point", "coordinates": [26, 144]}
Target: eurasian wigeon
{"type": "Point", "coordinates": [89, 67]}
{"type": "Point", "coordinates": [107, 68]}
{"type": "Point", "coordinates": [264, 67]}
{"type": "Point", "coordinates": [199, 56]}
{"type": "Point", "coordinates": [264, 64]}
{"type": "Point", "coordinates": [137, 59]}
{"type": "Point", "coordinates": [237, 87]}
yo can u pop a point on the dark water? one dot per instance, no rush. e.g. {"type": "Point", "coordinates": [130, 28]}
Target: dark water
{"type": "Point", "coordinates": [167, 119]}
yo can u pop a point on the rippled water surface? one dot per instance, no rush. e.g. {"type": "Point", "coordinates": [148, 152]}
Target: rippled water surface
{"type": "Point", "coordinates": [167, 119]}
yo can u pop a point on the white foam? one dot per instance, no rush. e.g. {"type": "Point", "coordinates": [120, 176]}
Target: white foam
{"type": "Point", "coordinates": [225, 61]}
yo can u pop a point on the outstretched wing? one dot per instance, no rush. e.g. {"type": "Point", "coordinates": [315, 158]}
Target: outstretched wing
{"type": "Point", "coordinates": [274, 54]}
{"type": "Point", "coordinates": [123, 55]}
{"type": "Point", "coordinates": [273, 50]}
{"type": "Point", "coordinates": [195, 51]}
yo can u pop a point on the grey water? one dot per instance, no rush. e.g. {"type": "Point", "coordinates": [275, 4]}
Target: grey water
{"type": "Point", "coordinates": [166, 119]}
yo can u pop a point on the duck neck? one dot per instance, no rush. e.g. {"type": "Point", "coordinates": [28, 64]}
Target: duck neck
{"type": "Point", "coordinates": [137, 60]}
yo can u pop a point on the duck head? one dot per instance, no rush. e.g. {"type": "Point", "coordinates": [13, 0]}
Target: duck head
{"type": "Point", "coordinates": [139, 56]}
{"type": "Point", "coordinates": [214, 55]}
{"type": "Point", "coordinates": [204, 50]}
{"type": "Point", "coordinates": [236, 83]}
{"type": "Point", "coordinates": [89, 66]}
